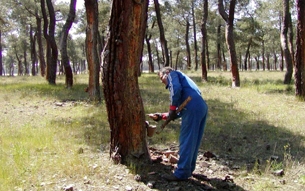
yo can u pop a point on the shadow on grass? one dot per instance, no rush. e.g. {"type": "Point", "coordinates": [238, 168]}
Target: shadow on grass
{"type": "Point", "coordinates": [247, 138]}
{"type": "Point", "coordinates": [241, 141]}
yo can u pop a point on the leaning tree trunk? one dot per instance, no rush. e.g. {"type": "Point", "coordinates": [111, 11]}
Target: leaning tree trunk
{"type": "Point", "coordinates": [92, 50]}
{"type": "Point", "coordinates": [121, 60]}
{"type": "Point", "coordinates": [162, 35]}
{"type": "Point", "coordinates": [284, 42]}
{"type": "Point", "coordinates": [204, 75]}
{"type": "Point", "coordinates": [195, 36]}
{"type": "Point", "coordinates": [63, 45]}
{"type": "Point", "coordinates": [229, 19]}
{"type": "Point", "coordinates": [300, 52]}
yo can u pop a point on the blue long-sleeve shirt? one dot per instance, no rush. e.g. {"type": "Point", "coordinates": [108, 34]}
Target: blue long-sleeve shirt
{"type": "Point", "coordinates": [180, 87]}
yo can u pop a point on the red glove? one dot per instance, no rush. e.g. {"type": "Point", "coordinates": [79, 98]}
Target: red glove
{"type": "Point", "coordinates": [159, 116]}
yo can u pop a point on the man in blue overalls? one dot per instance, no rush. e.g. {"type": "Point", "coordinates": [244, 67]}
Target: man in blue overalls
{"type": "Point", "coordinates": [193, 116]}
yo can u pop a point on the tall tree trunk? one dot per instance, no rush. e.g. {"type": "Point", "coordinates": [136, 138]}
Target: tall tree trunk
{"type": "Point", "coordinates": [150, 61]}
{"type": "Point", "coordinates": [20, 68]}
{"type": "Point", "coordinates": [247, 54]}
{"type": "Point", "coordinates": [92, 50]}
{"type": "Point", "coordinates": [54, 51]}
{"type": "Point", "coordinates": [204, 75]}
{"type": "Point", "coordinates": [268, 61]}
{"type": "Point", "coordinates": [1, 64]}
{"type": "Point", "coordinates": [225, 66]}
{"type": "Point", "coordinates": [219, 61]}
{"type": "Point", "coordinates": [207, 53]}
{"type": "Point", "coordinates": [188, 49]}
{"type": "Point", "coordinates": [162, 35]}
{"type": "Point", "coordinates": [177, 60]}
{"type": "Point", "coordinates": [282, 60]}
{"type": "Point", "coordinates": [284, 42]}
{"type": "Point", "coordinates": [157, 54]}
{"type": "Point", "coordinates": [195, 36]}
{"type": "Point", "coordinates": [49, 32]}
{"type": "Point", "coordinates": [263, 54]}
{"type": "Point", "coordinates": [291, 39]}
{"type": "Point", "coordinates": [65, 61]}
{"type": "Point", "coordinates": [25, 60]}
{"type": "Point", "coordinates": [42, 61]}
{"type": "Point", "coordinates": [275, 61]}
{"type": "Point", "coordinates": [300, 52]}
{"type": "Point", "coordinates": [229, 19]}
{"type": "Point", "coordinates": [33, 51]}
{"type": "Point", "coordinates": [257, 62]}
{"type": "Point", "coordinates": [122, 55]}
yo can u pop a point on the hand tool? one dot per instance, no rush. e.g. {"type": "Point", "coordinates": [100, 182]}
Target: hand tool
{"type": "Point", "coordinates": [184, 103]}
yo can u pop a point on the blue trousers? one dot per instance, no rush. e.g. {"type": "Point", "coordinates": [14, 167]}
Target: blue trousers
{"type": "Point", "coordinates": [191, 133]}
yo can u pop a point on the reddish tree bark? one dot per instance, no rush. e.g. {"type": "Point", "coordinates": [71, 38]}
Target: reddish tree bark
{"type": "Point", "coordinates": [121, 60]}
{"type": "Point", "coordinates": [300, 52]}
{"type": "Point", "coordinates": [92, 50]}
{"type": "Point", "coordinates": [204, 75]}
{"type": "Point", "coordinates": [229, 19]}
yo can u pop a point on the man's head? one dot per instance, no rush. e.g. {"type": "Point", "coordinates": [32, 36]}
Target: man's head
{"type": "Point", "coordinates": [163, 73]}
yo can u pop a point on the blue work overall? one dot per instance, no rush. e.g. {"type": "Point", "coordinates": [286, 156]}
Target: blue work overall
{"type": "Point", "coordinates": [193, 117]}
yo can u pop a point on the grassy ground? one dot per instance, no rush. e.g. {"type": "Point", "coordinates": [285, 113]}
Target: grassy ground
{"type": "Point", "coordinates": [51, 137]}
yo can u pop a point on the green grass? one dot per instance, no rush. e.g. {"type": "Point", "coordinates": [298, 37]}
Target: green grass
{"type": "Point", "coordinates": [41, 142]}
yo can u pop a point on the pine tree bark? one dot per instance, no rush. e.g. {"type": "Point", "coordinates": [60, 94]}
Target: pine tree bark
{"type": "Point", "coordinates": [204, 75]}
{"type": "Point", "coordinates": [49, 34]}
{"type": "Point", "coordinates": [284, 42]}
{"type": "Point", "coordinates": [42, 61]}
{"type": "Point", "coordinates": [247, 54]}
{"type": "Point", "coordinates": [33, 51]}
{"type": "Point", "coordinates": [300, 52]}
{"type": "Point", "coordinates": [229, 19]}
{"type": "Point", "coordinates": [92, 50]}
{"type": "Point", "coordinates": [65, 61]}
{"type": "Point", "coordinates": [121, 60]}
{"type": "Point", "coordinates": [187, 44]}
{"type": "Point", "coordinates": [150, 61]}
{"type": "Point", "coordinates": [54, 51]}
{"type": "Point", "coordinates": [195, 36]}
{"type": "Point", "coordinates": [162, 35]}
{"type": "Point", "coordinates": [219, 60]}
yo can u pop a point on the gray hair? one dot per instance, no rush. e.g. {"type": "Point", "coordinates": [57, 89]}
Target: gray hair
{"type": "Point", "coordinates": [166, 70]}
